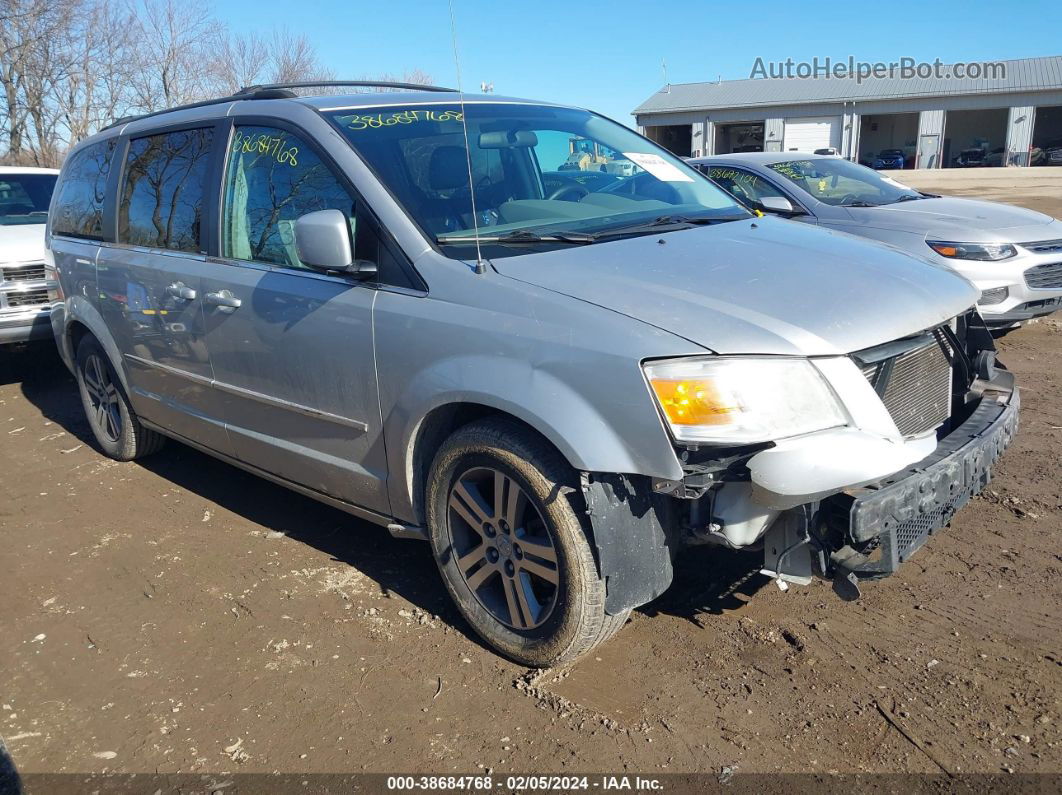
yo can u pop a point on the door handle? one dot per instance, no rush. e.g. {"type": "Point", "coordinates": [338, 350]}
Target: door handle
{"type": "Point", "coordinates": [180, 291]}
{"type": "Point", "coordinates": [224, 300]}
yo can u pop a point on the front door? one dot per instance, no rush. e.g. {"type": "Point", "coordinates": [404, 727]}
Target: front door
{"type": "Point", "coordinates": [292, 348]}
{"type": "Point", "coordinates": [149, 284]}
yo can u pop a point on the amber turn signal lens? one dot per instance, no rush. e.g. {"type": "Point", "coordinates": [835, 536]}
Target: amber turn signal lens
{"type": "Point", "coordinates": [694, 402]}
{"type": "Point", "coordinates": [946, 251]}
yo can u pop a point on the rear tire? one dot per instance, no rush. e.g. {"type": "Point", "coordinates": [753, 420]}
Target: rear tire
{"type": "Point", "coordinates": [512, 549]}
{"type": "Point", "coordinates": [113, 422]}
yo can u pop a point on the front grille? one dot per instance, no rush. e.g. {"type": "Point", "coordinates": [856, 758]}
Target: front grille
{"type": "Point", "coordinates": [1045, 277]}
{"type": "Point", "coordinates": [28, 298]}
{"type": "Point", "coordinates": [1042, 246]}
{"type": "Point", "coordinates": [30, 272]}
{"type": "Point", "coordinates": [915, 386]}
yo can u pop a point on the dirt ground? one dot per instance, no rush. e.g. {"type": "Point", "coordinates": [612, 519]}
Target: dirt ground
{"type": "Point", "coordinates": [181, 615]}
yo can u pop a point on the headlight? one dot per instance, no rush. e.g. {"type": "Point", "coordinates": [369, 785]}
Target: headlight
{"type": "Point", "coordinates": [981, 251]}
{"type": "Point", "coordinates": [739, 400]}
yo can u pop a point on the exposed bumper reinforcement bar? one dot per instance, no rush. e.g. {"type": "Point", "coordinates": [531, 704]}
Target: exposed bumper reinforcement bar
{"type": "Point", "coordinates": [897, 519]}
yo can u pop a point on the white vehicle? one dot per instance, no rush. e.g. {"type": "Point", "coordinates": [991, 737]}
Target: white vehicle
{"type": "Point", "coordinates": [26, 292]}
{"type": "Point", "coordinates": [1013, 255]}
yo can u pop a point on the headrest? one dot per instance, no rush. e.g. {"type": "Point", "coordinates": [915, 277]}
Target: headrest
{"type": "Point", "coordinates": [448, 168]}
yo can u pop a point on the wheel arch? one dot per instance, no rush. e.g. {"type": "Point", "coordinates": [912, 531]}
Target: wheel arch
{"type": "Point", "coordinates": [591, 436]}
{"type": "Point", "coordinates": [436, 427]}
{"type": "Point", "coordinates": [628, 526]}
{"type": "Point", "coordinates": [82, 318]}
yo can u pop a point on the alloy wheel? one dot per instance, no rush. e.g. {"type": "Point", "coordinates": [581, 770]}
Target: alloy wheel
{"type": "Point", "coordinates": [103, 397]}
{"type": "Point", "coordinates": [503, 548]}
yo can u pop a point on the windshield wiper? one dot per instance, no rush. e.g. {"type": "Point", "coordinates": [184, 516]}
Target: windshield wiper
{"type": "Point", "coordinates": [910, 198]}
{"type": "Point", "coordinates": [671, 222]}
{"type": "Point", "coordinates": [860, 203]}
{"type": "Point", "coordinates": [518, 236]}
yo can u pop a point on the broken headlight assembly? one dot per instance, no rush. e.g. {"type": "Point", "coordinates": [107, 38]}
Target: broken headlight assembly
{"type": "Point", "coordinates": [741, 400]}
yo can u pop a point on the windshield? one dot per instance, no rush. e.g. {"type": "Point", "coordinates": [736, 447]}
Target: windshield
{"type": "Point", "coordinates": [24, 198]}
{"type": "Point", "coordinates": [841, 182]}
{"type": "Point", "coordinates": [536, 171]}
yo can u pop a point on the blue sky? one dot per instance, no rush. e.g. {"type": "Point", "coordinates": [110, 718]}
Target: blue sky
{"type": "Point", "coordinates": [607, 55]}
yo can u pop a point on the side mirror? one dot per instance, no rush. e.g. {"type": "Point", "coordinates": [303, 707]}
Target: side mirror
{"type": "Point", "coordinates": [778, 204]}
{"type": "Point", "coordinates": [322, 239]}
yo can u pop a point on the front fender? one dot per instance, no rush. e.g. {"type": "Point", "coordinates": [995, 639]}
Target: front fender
{"type": "Point", "coordinates": [574, 424]}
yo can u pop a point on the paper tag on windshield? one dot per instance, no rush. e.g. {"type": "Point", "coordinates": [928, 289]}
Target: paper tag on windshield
{"type": "Point", "coordinates": [658, 167]}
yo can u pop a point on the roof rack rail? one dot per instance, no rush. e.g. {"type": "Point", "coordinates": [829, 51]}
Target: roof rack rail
{"type": "Point", "coordinates": [277, 91]}
{"type": "Point", "coordinates": [260, 89]}
{"type": "Point", "coordinates": [201, 104]}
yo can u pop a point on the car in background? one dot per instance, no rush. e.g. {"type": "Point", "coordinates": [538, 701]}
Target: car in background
{"type": "Point", "coordinates": [1052, 153]}
{"type": "Point", "coordinates": [971, 158]}
{"type": "Point", "coordinates": [888, 159]}
{"type": "Point", "coordinates": [27, 290]}
{"type": "Point", "coordinates": [1013, 255]}
{"type": "Point", "coordinates": [997, 156]}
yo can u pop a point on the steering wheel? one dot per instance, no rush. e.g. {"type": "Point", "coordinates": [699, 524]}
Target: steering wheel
{"type": "Point", "coordinates": [576, 191]}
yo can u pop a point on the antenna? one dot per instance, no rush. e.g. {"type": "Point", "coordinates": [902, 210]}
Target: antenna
{"type": "Point", "coordinates": [481, 266]}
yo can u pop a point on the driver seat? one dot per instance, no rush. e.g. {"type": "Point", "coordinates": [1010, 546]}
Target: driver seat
{"type": "Point", "coordinates": [447, 171]}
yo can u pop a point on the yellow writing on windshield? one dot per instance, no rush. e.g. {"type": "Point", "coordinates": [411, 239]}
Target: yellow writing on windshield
{"type": "Point", "coordinates": [794, 169]}
{"type": "Point", "coordinates": [734, 176]}
{"type": "Point", "coordinates": [375, 121]}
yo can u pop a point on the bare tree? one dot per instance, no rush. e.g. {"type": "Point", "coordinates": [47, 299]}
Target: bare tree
{"type": "Point", "coordinates": [28, 61]}
{"type": "Point", "coordinates": [69, 67]}
{"type": "Point", "coordinates": [100, 72]}
{"type": "Point", "coordinates": [417, 76]}
{"type": "Point", "coordinates": [242, 61]}
{"type": "Point", "coordinates": [175, 40]}
{"type": "Point", "coordinates": [247, 59]}
{"type": "Point", "coordinates": [294, 58]}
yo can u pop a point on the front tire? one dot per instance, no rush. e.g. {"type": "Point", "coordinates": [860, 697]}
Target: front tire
{"type": "Point", "coordinates": [113, 422]}
{"type": "Point", "coordinates": [511, 547]}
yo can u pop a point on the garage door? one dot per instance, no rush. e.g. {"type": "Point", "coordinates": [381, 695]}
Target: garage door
{"type": "Point", "coordinates": [807, 135]}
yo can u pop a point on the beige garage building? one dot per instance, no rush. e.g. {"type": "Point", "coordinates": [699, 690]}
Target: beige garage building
{"type": "Point", "coordinates": [1013, 117]}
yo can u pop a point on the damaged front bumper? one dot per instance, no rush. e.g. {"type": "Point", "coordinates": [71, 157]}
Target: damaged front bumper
{"type": "Point", "coordinates": [867, 533]}
{"type": "Point", "coordinates": [887, 525]}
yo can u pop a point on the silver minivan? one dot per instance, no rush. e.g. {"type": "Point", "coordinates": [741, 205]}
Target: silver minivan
{"type": "Point", "coordinates": [412, 307]}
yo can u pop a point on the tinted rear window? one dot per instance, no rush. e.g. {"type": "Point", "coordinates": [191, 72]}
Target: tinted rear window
{"type": "Point", "coordinates": [162, 199]}
{"type": "Point", "coordinates": [24, 198]}
{"type": "Point", "coordinates": [82, 191]}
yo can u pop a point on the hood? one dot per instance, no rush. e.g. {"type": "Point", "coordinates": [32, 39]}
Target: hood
{"type": "Point", "coordinates": [21, 242]}
{"type": "Point", "coordinates": [961, 220]}
{"type": "Point", "coordinates": [767, 286]}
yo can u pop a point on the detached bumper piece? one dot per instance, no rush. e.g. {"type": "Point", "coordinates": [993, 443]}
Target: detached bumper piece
{"type": "Point", "coordinates": [889, 524]}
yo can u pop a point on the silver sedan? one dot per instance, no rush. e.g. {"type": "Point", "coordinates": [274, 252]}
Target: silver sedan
{"type": "Point", "coordinates": [1013, 255]}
